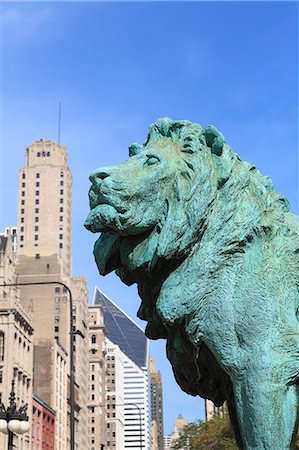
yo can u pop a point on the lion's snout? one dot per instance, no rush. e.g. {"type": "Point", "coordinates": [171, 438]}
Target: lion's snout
{"type": "Point", "coordinates": [100, 174]}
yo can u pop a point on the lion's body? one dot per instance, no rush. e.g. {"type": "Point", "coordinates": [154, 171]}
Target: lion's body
{"type": "Point", "coordinates": [215, 254]}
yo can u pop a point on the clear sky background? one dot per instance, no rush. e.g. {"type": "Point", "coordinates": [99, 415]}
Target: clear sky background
{"type": "Point", "coordinates": [117, 67]}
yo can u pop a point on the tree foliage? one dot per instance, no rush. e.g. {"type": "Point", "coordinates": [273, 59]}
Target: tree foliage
{"type": "Point", "coordinates": [215, 434]}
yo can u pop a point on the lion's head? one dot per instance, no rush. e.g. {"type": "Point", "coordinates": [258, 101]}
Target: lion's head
{"type": "Point", "coordinates": [153, 195]}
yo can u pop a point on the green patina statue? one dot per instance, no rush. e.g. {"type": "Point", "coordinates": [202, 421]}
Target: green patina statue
{"type": "Point", "coordinates": [215, 254]}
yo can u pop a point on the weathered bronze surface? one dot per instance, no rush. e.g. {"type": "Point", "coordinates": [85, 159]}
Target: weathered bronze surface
{"type": "Point", "coordinates": [215, 253]}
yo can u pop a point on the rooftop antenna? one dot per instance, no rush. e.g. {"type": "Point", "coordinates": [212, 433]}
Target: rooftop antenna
{"type": "Point", "coordinates": [59, 121]}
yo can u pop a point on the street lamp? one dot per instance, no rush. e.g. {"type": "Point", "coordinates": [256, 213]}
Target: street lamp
{"type": "Point", "coordinates": [13, 420]}
{"type": "Point", "coordinates": [140, 420]}
{"type": "Point", "coordinates": [72, 334]}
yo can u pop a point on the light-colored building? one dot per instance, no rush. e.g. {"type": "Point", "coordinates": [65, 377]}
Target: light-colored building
{"type": "Point", "coordinates": [157, 403]}
{"type": "Point", "coordinates": [211, 410]}
{"type": "Point", "coordinates": [115, 358]}
{"type": "Point", "coordinates": [16, 348]}
{"type": "Point", "coordinates": [179, 424]}
{"type": "Point", "coordinates": [44, 254]}
{"type": "Point", "coordinates": [45, 203]}
{"type": "Point", "coordinates": [127, 366]}
{"type": "Point", "coordinates": [97, 379]}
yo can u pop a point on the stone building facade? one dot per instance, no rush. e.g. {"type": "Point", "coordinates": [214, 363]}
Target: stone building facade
{"type": "Point", "coordinates": [97, 377]}
{"type": "Point", "coordinates": [44, 254]}
{"type": "Point", "coordinates": [16, 348]}
{"type": "Point", "coordinates": [157, 403]}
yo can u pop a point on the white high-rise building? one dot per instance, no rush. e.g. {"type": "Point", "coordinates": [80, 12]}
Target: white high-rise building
{"type": "Point", "coordinates": [127, 365]}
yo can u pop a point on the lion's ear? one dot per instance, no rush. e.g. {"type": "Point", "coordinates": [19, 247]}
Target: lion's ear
{"type": "Point", "coordinates": [214, 139]}
{"type": "Point", "coordinates": [135, 149]}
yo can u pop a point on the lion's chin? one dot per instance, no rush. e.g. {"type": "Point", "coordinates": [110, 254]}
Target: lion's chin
{"type": "Point", "coordinates": [102, 218]}
{"type": "Point", "coordinates": [106, 253]}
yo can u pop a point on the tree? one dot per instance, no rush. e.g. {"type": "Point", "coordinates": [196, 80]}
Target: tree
{"type": "Point", "coordinates": [215, 434]}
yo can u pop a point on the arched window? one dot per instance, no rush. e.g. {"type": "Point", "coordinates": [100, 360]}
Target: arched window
{"type": "Point", "coordinates": [93, 339]}
{"type": "Point", "coordinates": [2, 346]}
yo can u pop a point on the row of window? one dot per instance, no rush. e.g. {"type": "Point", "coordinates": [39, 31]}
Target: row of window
{"type": "Point", "coordinates": [39, 154]}
{"type": "Point", "coordinates": [37, 175]}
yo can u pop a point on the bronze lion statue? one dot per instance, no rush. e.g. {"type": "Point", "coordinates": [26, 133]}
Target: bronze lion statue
{"type": "Point", "coordinates": [215, 254]}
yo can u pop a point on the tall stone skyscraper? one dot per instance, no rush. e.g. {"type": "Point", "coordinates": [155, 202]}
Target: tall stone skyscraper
{"type": "Point", "coordinates": [157, 403]}
{"type": "Point", "coordinates": [44, 254]}
{"type": "Point", "coordinates": [45, 203]}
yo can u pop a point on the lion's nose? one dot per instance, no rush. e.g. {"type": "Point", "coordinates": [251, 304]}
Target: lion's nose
{"type": "Point", "coordinates": [100, 174]}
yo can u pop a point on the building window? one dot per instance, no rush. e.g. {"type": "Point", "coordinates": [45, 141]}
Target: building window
{"type": "Point", "coordinates": [23, 193]}
{"type": "Point", "coordinates": [22, 219]}
{"type": "Point", "coordinates": [61, 183]}
{"type": "Point", "coordinates": [38, 154]}
{"type": "Point", "coordinates": [23, 175]}
{"type": "Point", "coordinates": [61, 190]}
{"type": "Point", "coordinates": [60, 245]}
{"type": "Point", "coordinates": [37, 175]}
{"type": "Point", "coordinates": [43, 153]}
{"type": "Point", "coordinates": [36, 219]}
{"type": "Point", "coordinates": [36, 237]}
{"type": "Point", "coordinates": [36, 192]}
{"type": "Point", "coordinates": [22, 238]}
{"type": "Point", "coordinates": [93, 339]}
{"type": "Point", "coordinates": [61, 174]}
{"type": "Point", "coordinates": [37, 256]}
{"type": "Point", "coordinates": [61, 218]}
{"type": "Point", "coordinates": [1, 375]}
{"type": "Point", "coordinates": [57, 289]}
{"type": "Point", "coordinates": [61, 200]}
{"type": "Point", "coordinates": [36, 228]}
{"type": "Point", "coordinates": [37, 201]}
{"type": "Point", "coordinates": [61, 236]}
{"type": "Point", "coordinates": [23, 185]}
{"type": "Point", "coordinates": [22, 228]}
{"type": "Point", "coordinates": [56, 329]}
{"type": "Point", "coordinates": [23, 202]}
{"type": "Point", "coordinates": [61, 209]}
{"type": "Point", "coordinates": [1, 346]}
{"type": "Point", "coordinates": [56, 319]}
{"type": "Point", "coordinates": [36, 210]}
{"type": "Point", "coordinates": [22, 211]}
{"type": "Point", "coordinates": [37, 184]}
{"type": "Point", "coordinates": [48, 153]}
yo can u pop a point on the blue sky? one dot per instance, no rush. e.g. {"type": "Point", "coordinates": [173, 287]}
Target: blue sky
{"type": "Point", "coordinates": [117, 67]}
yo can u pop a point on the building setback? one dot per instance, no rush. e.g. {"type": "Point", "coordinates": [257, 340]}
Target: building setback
{"type": "Point", "coordinates": [157, 403]}
{"type": "Point", "coordinates": [128, 396]}
{"type": "Point", "coordinates": [44, 254]}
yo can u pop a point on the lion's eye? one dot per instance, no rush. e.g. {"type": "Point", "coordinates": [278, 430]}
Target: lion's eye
{"type": "Point", "coordinates": [151, 160]}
